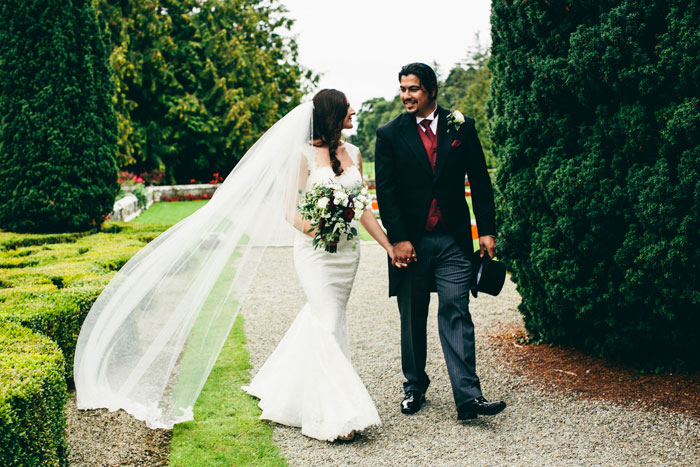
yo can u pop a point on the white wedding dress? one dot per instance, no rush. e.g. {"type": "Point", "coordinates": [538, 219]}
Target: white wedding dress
{"type": "Point", "coordinates": [308, 381]}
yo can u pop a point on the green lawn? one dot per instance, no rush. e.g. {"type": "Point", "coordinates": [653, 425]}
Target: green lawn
{"type": "Point", "coordinates": [368, 169]}
{"type": "Point", "coordinates": [226, 430]}
{"type": "Point", "coordinates": [169, 212]}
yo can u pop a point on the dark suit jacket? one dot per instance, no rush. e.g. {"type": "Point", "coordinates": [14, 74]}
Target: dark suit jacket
{"type": "Point", "coordinates": [406, 185]}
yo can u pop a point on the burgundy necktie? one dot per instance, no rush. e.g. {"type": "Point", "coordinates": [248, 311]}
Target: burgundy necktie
{"type": "Point", "coordinates": [429, 140]}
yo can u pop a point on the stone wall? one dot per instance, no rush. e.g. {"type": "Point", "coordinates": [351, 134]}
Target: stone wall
{"type": "Point", "coordinates": [126, 208]}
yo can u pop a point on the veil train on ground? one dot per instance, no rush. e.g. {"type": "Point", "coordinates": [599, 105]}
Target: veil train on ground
{"type": "Point", "coordinates": [152, 337]}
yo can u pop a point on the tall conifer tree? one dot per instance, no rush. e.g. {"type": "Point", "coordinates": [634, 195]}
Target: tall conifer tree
{"type": "Point", "coordinates": [57, 123]}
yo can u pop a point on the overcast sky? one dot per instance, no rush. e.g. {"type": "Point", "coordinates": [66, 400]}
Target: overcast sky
{"type": "Point", "coordinates": [360, 45]}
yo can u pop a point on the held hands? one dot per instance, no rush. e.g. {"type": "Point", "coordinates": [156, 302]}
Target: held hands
{"type": "Point", "coordinates": [402, 254]}
{"type": "Point", "coordinates": [487, 243]}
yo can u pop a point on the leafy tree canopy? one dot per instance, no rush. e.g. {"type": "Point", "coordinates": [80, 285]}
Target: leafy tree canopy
{"type": "Point", "coordinates": [198, 81]}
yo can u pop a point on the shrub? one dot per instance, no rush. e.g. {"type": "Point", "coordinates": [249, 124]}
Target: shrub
{"type": "Point", "coordinates": [58, 128]}
{"type": "Point", "coordinates": [139, 191]}
{"type": "Point", "coordinates": [595, 124]}
{"type": "Point", "coordinates": [47, 285]}
{"type": "Point", "coordinates": [57, 314]}
{"type": "Point", "coordinates": [32, 396]}
{"type": "Point", "coordinates": [50, 285]}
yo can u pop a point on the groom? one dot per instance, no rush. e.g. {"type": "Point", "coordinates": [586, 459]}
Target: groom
{"type": "Point", "coordinates": [421, 159]}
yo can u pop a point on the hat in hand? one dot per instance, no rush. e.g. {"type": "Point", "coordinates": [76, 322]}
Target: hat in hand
{"type": "Point", "coordinates": [488, 275]}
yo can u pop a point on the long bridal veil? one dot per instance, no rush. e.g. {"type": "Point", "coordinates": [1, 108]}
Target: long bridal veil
{"type": "Point", "coordinates": [152, 337]}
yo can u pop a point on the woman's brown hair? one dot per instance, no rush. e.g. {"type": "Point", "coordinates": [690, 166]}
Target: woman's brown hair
{"type": "Point", "coordinates": [330, 110]}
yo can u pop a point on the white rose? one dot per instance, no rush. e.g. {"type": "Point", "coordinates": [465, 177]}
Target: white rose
{"type": "Point", "coordinates": [341, 198]}
{"type": "Point", "coordinates": [323, 202]}
{"type": "Point", "coordinates": [458, 116]}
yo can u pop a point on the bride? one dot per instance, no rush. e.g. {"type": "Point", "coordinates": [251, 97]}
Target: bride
{"type": "Point", "coordinates": [150, 340]}
{"type": "Point", "coordinates": [309, 381]}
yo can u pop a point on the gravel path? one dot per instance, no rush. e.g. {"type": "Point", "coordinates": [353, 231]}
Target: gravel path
{"type": "Point", "coordinates": [100, 438]}
{"type": "Point", "coordinates": [537, 428]}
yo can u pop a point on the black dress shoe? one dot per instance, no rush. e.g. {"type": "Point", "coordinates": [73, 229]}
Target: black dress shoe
{"type": "Point", "coordinates": [479, 406]}
{"type": "Point", "coordinates": [413, 401]}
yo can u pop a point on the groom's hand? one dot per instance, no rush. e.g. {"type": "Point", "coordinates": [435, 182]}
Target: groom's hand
{"type": "Point", "coordinates": [488, 243]}
{"type": "Point", "coordinates": [404, 254]}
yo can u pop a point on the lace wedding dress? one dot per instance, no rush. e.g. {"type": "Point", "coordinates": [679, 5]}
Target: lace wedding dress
{"type": "Point", "coordinates": [308, 381]}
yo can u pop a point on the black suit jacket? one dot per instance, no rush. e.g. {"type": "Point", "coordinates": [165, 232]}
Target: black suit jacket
{"type": "Point", "coordinates": [406, 185]}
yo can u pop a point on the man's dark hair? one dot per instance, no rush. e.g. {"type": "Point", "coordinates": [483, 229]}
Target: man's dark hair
{"type": "Point", "coordinates": [426, 75]}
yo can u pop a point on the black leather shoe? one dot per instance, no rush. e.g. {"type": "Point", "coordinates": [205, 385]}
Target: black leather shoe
{"type": "Point", "coordinates": [413, 401]}
{"type": "Point", "coordinates": [479, 406]}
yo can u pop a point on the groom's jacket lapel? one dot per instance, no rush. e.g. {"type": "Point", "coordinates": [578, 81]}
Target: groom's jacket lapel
{"type": "Point", "coordinates": [444, 141]}
{"type": "Point", "coordinates": [409, 132]}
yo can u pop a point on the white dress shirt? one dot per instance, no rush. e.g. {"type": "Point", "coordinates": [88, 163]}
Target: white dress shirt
{"type": "Point", "coordinates": [433, 124]}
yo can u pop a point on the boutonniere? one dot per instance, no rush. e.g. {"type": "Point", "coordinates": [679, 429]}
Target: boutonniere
{"type": "Point", "coordinates": [454, 120]}
{"type": "Point", "coordinates": [456, 143]}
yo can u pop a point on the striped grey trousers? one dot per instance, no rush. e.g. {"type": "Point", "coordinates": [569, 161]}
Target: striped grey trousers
{"type": "Point", "coordinates": [442, 264]}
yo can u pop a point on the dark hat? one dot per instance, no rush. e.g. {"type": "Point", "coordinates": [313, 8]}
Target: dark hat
{"type": "Point", "coordinates": [488, 275]}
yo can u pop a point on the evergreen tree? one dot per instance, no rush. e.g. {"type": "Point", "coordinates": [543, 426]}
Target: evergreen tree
{"type": "Point", "coordinates": [199, 81]}
{"type": "Point", "coordinates": [57, 125]}
{"type": "Point", "coordinates": [467, 89]}
{"type": "Point", "coordinates": [596, 130]}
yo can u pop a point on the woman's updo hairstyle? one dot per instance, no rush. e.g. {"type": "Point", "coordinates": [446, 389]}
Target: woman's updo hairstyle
{"type": "Point", "coordinates": [330, 110]}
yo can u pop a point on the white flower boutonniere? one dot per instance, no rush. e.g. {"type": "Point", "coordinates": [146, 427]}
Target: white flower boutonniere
{"type": "Point", "coordinates": [455, 120]}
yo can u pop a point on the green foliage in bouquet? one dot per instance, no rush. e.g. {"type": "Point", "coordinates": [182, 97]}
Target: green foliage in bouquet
{"type": "Point", "coordinates": [595, 125]}
{"type": "Point", "coordinates": [57, 124]}
{"type": "Point", "coordinates": [330, 208]}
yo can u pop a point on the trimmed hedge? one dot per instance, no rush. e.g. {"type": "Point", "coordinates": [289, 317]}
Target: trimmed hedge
{"type": "Point", "coordinates": [596, 126]}
{"type": "Point", "coordinates": [55, 314]}
{"type": "Point", "coordinates": [32, 398]}
{"type": "Point", "coordinates": [48, 283]}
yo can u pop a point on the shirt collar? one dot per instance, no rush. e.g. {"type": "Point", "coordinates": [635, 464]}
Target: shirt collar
{"type": "Point", "coordinates": [433, 116]}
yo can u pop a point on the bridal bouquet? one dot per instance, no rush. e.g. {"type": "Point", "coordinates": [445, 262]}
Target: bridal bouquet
{"type": "Point", "coordinates": [331, 208]}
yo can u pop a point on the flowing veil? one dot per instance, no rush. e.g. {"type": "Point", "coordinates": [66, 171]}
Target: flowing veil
{"type": "Point", "coordinates": [153, 335]}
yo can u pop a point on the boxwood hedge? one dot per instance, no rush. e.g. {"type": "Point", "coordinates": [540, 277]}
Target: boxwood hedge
{"type": "Point", "coordinates": [32, 397]}
{"type": "Point", "coordinates": [47, 285]}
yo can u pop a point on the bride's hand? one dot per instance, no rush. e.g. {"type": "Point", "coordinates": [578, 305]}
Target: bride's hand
{"type": "Point", "coordinates": [390, 252]}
